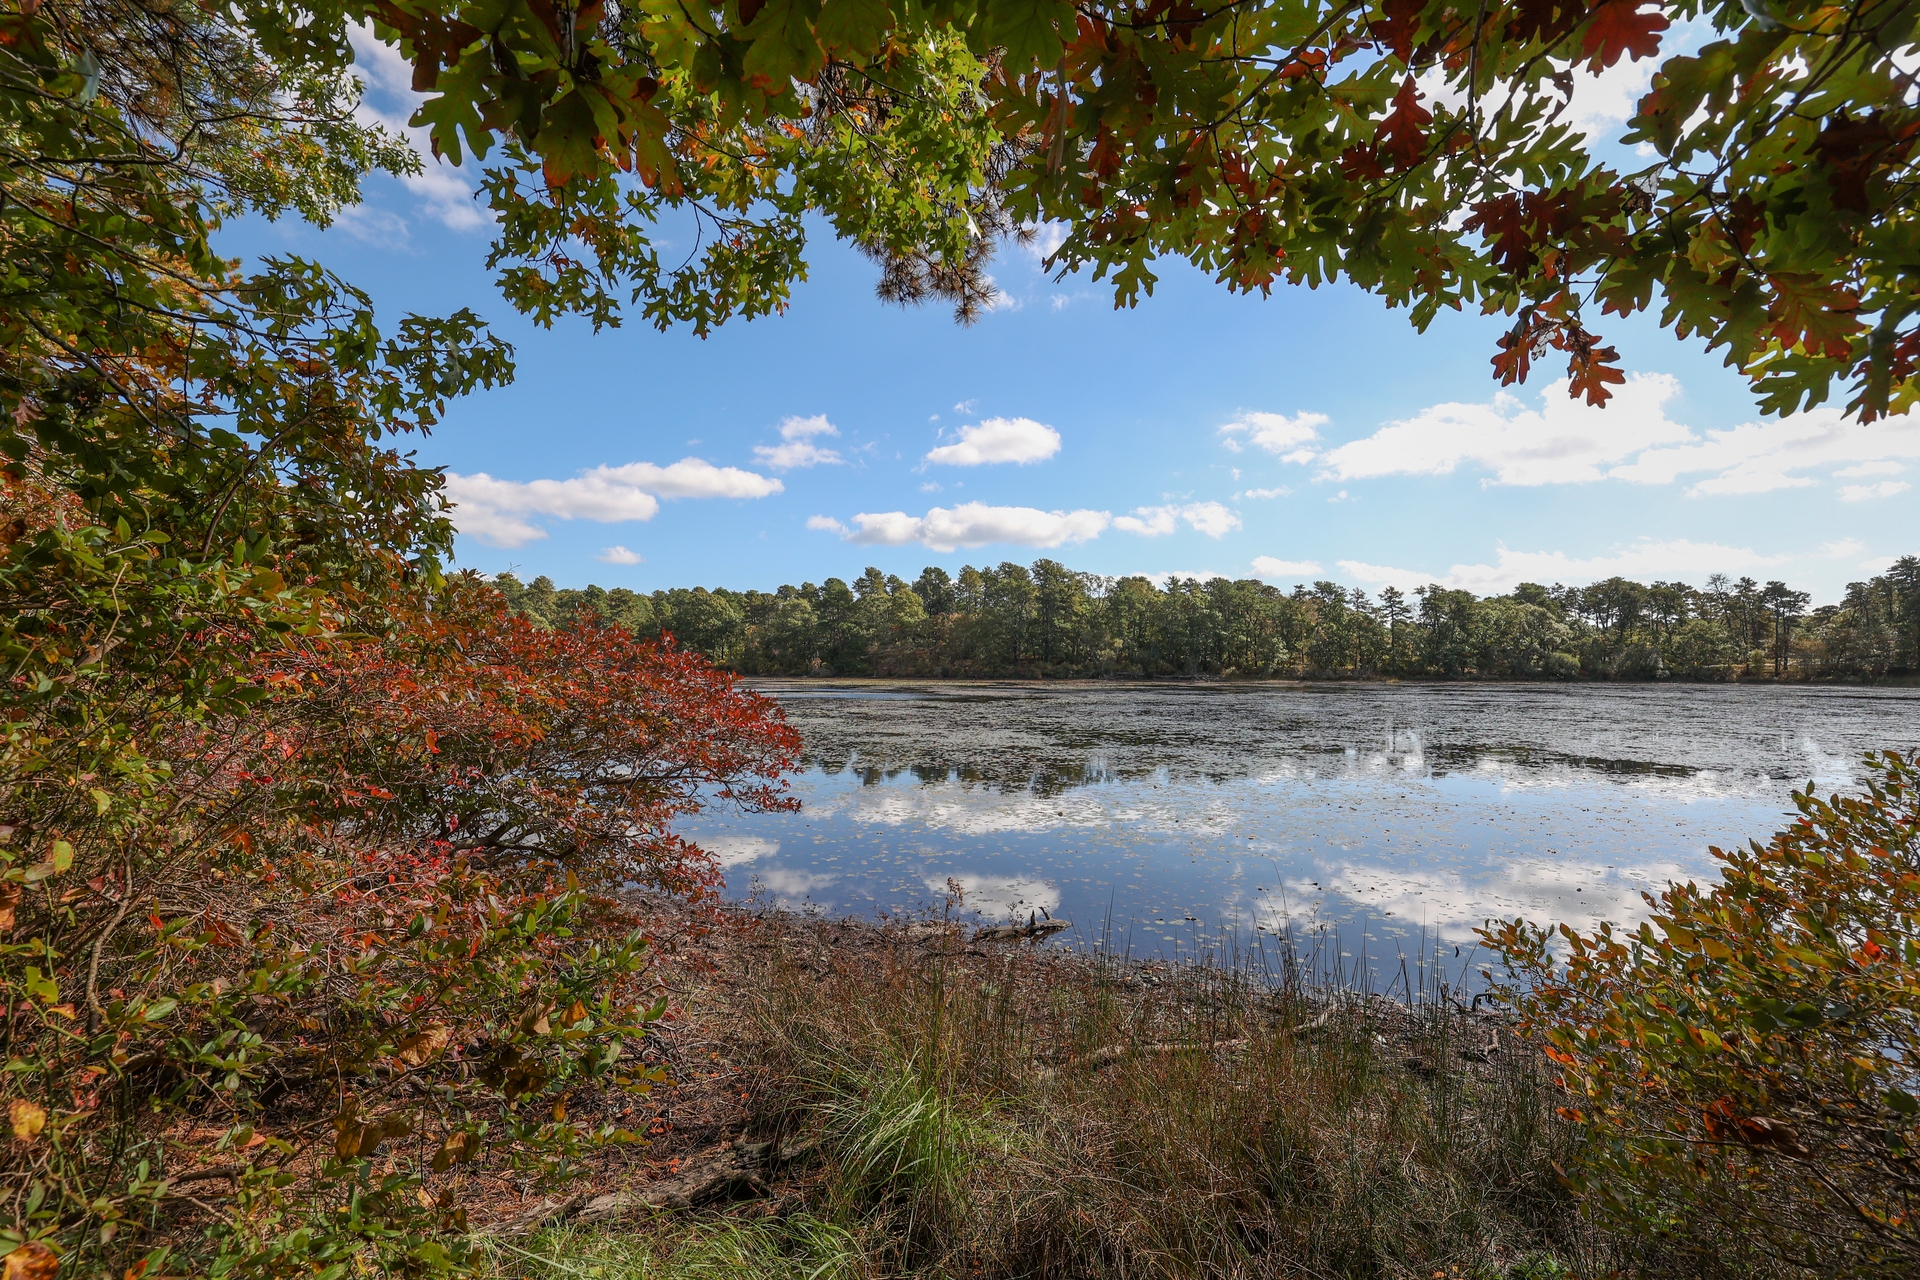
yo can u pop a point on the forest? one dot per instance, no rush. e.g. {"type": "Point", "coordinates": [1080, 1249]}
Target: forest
{"type": "Point", "coordinates": [1049, 621]}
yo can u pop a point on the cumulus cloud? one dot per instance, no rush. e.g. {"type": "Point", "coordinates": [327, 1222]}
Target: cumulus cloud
{"type": "Point", "coordinates": [618, 555]}
{"type": "Point", "coordinates": [735, 851]}
{"type": "Point", "coordinates": [1268, 569]}
{"type": "Point", "coordinates": [1210, 518]}
{"type": "Point", "coordinates": [1759, 457]}
{"type": "Point", "coordinates": [971, 524]}
{"type": "Point", "coordinates": [1289, 439]}
{"type": "Point", "coordinates": [495, 511]}
{"type": "Point", "coordinates": [1281, 492]}
{"type": "Point", "coordinates": [796, 447]}
{"type": "Point", "coordinates": [1865, 492]}
{"type": "Point", "coordinates": [1646, 560]}
{"type": "Point", "coordinates": [1019, 440]}
{"type": "Point", "coordinates": [442, 190]}
{"type": "Point", "coordinates": [1563, 441]}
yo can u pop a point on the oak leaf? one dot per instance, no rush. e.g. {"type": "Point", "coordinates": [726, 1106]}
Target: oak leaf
{"type": "Point", "coordinates": [417, 1049]}
{"type": "Point", "coordinates": [1809, 312]}
{"type": "Point", "coordinates": [32, 1261]}
{"type": "Point", "coordinates": [1402, 136]}
{"type": "Point", "coordinates": [1622, 26]}
{"type": "Point", "coordinates": [27, 1118]}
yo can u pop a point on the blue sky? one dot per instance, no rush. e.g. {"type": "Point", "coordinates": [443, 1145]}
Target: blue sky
{"type": "Point", "coordinates": [1311, 434]}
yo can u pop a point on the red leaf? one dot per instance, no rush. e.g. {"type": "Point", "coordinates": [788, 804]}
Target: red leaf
{"type": "Point", "coordinates": [1591, 368]}
{"type": "Point", "coordinates": [1621, 26]}
{"type": "Point", "coordinates": [1500, 221]}
{"type": "Point", "coordinates": [1395, 31]}
{"type": "Point", "coordinates": [1402, 136]}
{"type": "Point", "coordinates": [1808, 312]}
{"type": "Point", "coordinates": [1309, 61]}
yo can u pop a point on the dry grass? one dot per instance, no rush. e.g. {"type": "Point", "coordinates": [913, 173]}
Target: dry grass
{"type": "Point", "coordinates": [1012, 1111]}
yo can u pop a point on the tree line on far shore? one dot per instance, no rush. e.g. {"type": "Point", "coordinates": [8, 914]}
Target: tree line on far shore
{"type": "Point", "coordinates": [1046, 620]}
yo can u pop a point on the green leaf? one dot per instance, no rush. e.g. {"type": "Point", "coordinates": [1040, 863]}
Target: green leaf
{"type": "Point", "coordinates": [1031, 31]}
{"type": "Point", "coordinates": [853, 28]}
{"type": "Point", "coordinates": [783, 46]}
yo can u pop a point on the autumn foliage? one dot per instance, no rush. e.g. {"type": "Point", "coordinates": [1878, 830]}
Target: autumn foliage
{"type": "Point", "coordinates": [371, 940]}
{"type": "Point", "coordinates": [1744, 1065]}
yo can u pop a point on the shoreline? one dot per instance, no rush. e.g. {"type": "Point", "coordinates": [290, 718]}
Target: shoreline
{"type": "Point", "coordinates": [758, 682]}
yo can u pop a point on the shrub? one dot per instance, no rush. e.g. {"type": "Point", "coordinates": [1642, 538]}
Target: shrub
{"type": "Point", "coordinates": [275, 993]}
{"type": "Point", "coordinates": [1745, 1067]}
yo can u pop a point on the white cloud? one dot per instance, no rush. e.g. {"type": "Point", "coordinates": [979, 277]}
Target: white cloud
{"type": "Point", "coordinates": [371, 225]}
{"type": "Point", "coordinates": [1267, 569]}
{"type": "Point", "coordinates": [494, 510]}
{"type": "Point", "coordinates": [735, 851]}
{"type": "Point", "coordinates": [1289, 439]}
{"type": "Point", "coordinates": [1645, 561]}
{"type": "Point", "coordinates": [826, 523]}
{"type": "Point", "coordinates": [1565, 441]}
{"type": "Point", "coordinates": [796, 453]}
{"type": "Point", "coordinates": [1759, 457]}
{"type": "Point", "coordinates": [1864, 492]}
{"type": "Point", "coordinates": [1019, 440]}
{"type": "Point", "coordinates": [796, 447]}
{"type": "Point", "coordinates": [618, 555]}
{"type": "Point", "coordinates": [1047, 237]}
{"type": "Point", "coordinates": [998, 896]}
{"type": "Point", "coordinates": [1281, 492]}
{"type": "Point", "coordinates": [442, 191]}
{"type": "Point", "coordinates": [1210, 518]}
{"type": "Point", "coordinates": [973, 524]}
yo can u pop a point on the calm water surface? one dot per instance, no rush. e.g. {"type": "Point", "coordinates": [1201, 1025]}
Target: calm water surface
{"type": "Point", "coordinates": [1175, 818]}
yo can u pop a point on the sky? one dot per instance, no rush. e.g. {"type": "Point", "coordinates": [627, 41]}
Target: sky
{"type": "Point", "coordinates": [1310, 434]}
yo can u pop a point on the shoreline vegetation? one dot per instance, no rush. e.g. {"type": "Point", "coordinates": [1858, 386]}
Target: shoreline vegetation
{"type": "Point", "coordinates": [918, 1096]}
{"type": "Point", "coordinates": [1725, 1093]}
{"type": "Point", "coordinates": [1046, 621]}
{"type": "Point", "coordinates": [923, 1098]}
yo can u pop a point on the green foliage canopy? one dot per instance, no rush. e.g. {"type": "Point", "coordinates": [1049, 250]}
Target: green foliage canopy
{"type": "Point", "coordinates": [1417, 149]}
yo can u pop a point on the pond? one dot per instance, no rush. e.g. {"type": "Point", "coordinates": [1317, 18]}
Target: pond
{"type": "Point", "coordinates": [1191, 819]}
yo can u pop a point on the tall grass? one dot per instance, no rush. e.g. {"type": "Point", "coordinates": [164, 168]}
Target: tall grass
{"type": "Point", "coordinates": [1021, 1112]}
{"type": "Point", "coordinates": [982, 1114]}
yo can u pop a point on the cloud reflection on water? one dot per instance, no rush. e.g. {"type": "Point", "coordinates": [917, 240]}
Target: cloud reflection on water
{"type": "Point", "coordinates": [1384, 812]}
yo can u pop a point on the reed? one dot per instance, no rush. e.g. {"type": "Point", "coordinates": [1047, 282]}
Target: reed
{"type": "Point", "coordinates": [1020, 1111]}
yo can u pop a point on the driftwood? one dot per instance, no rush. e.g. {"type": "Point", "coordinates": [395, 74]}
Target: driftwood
{"type": "Point", "coordinates": [724, 1172]}
{"type": "Point", "coordinates": [1110, 1054]}
{"type": "Point", "coordinates": [1014, 932]}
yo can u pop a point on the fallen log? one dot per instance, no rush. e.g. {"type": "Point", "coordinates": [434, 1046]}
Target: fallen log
{"type": "Point", "coordinates": [1014, 932]}
{"type": "Point", "coordinates": [1115, 1052]}
{"type": "Point", "coordinates": [723, 1172]}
